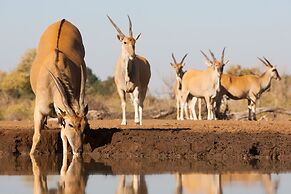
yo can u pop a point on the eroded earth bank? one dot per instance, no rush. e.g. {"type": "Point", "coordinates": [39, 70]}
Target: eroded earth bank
{"type": "Point", "coordinates": [157, 146]}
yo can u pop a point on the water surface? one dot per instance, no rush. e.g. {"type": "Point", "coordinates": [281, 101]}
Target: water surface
{"type": "Point", "coordinates": [74, 177]}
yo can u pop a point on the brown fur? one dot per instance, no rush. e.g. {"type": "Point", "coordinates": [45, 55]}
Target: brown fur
{"type": "Point", "coordinates": [248, 87]}
{"type": "Point", "coordinates": [60, 58]}
{"type": "Point", "coordinates": [203, 84]}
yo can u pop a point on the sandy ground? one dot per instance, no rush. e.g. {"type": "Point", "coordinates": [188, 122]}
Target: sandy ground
{"type": "Point", "coordinates": [160, 145]}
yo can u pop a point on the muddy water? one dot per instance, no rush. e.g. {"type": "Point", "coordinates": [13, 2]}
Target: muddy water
{"type": "Point", "coordinates": [55, 174]}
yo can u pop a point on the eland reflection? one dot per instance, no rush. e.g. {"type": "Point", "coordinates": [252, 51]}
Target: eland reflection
{"type": "Point", "coordinates": [72, 178]}
{"type": "Point", "coordinates": [269, 185]}
{"type": "Point", "coordinates": [195, 183]}
{"type": "Point", "coordinates": [137, 185]}
{"type": "Point", "coordinates": [198, 183]}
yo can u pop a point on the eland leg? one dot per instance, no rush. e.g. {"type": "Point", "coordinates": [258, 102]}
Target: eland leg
{"type": "Point", "coordinates": [193, 111]}
{"type": "Point", "coordinates": [253, 99]}
{"type": "Point", "coordinates": [250, 110]}
{"type": "Point", "coordinates": [253, 110]}
{"type": "Point", "coordinates": [213, 107]}
{"type": "Point", "coordinates": [123, 105]}
{"type": "Point", "coordinates": [39, 119]}
{"type": "Point", "coordinates": [218, 105]}
{"type": "Point", "coordinates": [183, 103]}
{"type": "Point", "coordinates": [135, 96]}
{"type": "Point", "coordinates": [209, 107]}
{"type": "Point", "coordinates": [186, 110]}
{"type": "Point", "coordinates": [141, 100]}
{"type": "Point", "coordinates": [178, 103]}
{"type": "Point", "coordinates": [65, 142]}
{"type": "Point", "coordinates": [199, 109]}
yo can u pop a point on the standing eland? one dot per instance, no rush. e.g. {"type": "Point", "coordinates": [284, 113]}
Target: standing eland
{"type": "Point", "coordinates": [132, 74]}
{"type": "Point", "coordinates": [57, 77]}
{"type": "Point", "coordinates": [191, 101]}
{"type": "Point", "coordinates": [249, 87]}
{"type": "Point", "coordinates": [203, 83]}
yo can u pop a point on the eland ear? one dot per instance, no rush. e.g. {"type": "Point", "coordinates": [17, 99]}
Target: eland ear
{"type": "Point", "coordinates": [61, 113]}
{"type": "Point", "coordinates": [208, 63]}
{"type": "Point", "coordinates": [172, 65]}
{"type": "Point", "coordinates": [119, 37]}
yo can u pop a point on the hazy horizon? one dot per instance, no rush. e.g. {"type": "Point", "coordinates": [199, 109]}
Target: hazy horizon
{"type": "Point", "coordinates": [247, 28]}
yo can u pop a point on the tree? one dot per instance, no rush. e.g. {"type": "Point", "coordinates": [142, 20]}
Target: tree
{"type": "Point", "coordinates": [92, 82]}
{"type": "Point", "coordinates": [17, 83]}
{"type": "Point", "coordinates": [95, 86]}
{"type": "Point", "coordinates": [97, 89]}
{"type": "Point", "coordinates": [106, 87]}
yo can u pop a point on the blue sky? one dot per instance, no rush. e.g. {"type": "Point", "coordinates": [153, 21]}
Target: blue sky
{"type": "Point", "coordinates": [247, 28]}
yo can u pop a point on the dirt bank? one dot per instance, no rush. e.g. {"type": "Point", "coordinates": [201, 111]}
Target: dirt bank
{"type": "Point", "coordinates": [172, 145]}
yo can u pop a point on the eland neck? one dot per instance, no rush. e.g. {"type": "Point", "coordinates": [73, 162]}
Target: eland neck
{"type": "Point", "coordinates": [125, 59]}
{"type": "Point", "coordinates": [179, 76]}
{"type": "Point", "coordinates": [265, 80]}
{"type": "Point", "coordinates": [214, 77]}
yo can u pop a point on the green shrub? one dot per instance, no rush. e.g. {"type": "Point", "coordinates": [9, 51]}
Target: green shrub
{"type": "Point", "coordinates": [17, 83]}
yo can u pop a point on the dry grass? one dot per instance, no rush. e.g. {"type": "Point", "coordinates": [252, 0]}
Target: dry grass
{"type": "Point", "coordinates": [17, 109]}
{"type": "Point", "coordinates": [113, 103]}
{"type": "Point", "coordinates": [22, 109]}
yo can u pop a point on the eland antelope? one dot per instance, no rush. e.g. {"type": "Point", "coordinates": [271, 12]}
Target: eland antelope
{"type": "Point", "coordinates": [248, 87]}
{"type": "Point", "coordinates": [178, 67]}
{"type": "Point", "coordinates": [203, 83]}
{"type": "Point", "coordinates": [57, 77]}
{"type": "Point", "coordinates": [132, 74]}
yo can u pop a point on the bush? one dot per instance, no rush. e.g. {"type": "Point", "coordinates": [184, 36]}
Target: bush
{"type": "Point", "coordinates": [238, 70]}
{"type": "Point", "coordinates": [95, 86]}
{"type": "Point", "coordinates": [17, 83]}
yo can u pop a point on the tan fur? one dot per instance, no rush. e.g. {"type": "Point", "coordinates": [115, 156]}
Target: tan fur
{"type": "Point", "coordinates": [178, 67]}
{"type": "Point", "coordinates": [203, 84]}
{"type": "Point", "coordinates": [191, 101]}
{"type": "Point", "coordinates": [248, 87]}
{"type": "Point", "coordinates": [70, 68]}
{"type": "Point", "coordinates": [132, 74]}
